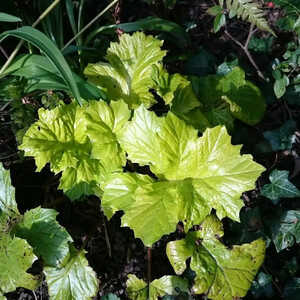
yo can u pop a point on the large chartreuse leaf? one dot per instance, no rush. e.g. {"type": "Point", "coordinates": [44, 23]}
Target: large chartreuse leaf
{"type": "Point", "coordinates": [128, 73]}
{"type": "Point", "coordinates": [195, 176]}
{"type": "Point", "coordinates": [103, 124]}
{"type": "Point", "coordinates": [16, 257]}
{"type": "Point", "coordinates": [59, 137]}
{"type": "Point", "coordinates": [222, 273]}
{"type": "Point", "coordinates": [74, 281]}
{"type": "Point", "coordinates": [8, 205]}
{"type": "Point", "coordinates": [137, 289]}
{"type": "Point", "coordinates": [48, 239]}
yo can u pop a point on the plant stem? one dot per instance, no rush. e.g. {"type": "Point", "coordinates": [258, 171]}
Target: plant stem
{"type": "Point", "coordinates": [19, 45]}
{"type": "Point", "coordinates": [108, 245]}
{"type": "Point", "coordinates": [245, 49]}
{"type": "Point", "coordinates": [89, 24]}
{"type": "Point", "coordinates": [149, 260]}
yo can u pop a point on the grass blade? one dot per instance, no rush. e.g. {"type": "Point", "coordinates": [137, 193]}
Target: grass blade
{"type": "Point", "coordinates": [8, 18]}
{"type": "Point", "coordinates": [42, 42]}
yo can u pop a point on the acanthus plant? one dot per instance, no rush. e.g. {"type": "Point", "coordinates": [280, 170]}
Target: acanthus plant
{"type": "Point", "coordinates": [194, 180]}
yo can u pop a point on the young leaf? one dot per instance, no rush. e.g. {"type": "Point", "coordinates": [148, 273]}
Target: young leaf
{"type": "Point", "coordinates": [280, 187]}
{"type": "Point", "coordinates": [8, 203]}
{"type": "Point", "coordinates": [137, 289]}
{"type": "Point", "coordinates": [48, 239]}
{"type": "Point", "coordinates": [192, 181]}
{"type": "Point", "coordinates": [214, 10]}
{"type": "Point", "coordinates": [280, 87]}
{"type": "Point", "coordinates": [128, 75]}
{"type": "Point", "coordinates": [219, 22]}
{"type": "Point", "coordinates": [222, 273]}
{"type": "Point", "coordinates": [16, 257]}
{"type": "Point", "coordinates": [41, 41]}
{"type": "Point", "coordinates": [74, 281]}
{"type": "Point", "coordinates": [59, 137]}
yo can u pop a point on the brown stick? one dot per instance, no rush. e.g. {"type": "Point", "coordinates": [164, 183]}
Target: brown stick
{"type": "Point", "coordinates": [245, 49]}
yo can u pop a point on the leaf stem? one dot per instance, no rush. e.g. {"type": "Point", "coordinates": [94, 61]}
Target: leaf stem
{"type": "Point", "coordinates": [19, 45]}
{"type": "Point", "coordinates": [149, 260]}
{"type": "Point", "coordinates": [89, 24]}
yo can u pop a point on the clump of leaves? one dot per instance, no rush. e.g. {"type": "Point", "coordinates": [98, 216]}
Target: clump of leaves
{"type": "Point", "coordinates": [24, 238]}
{"type": "Point", "coordinates": [190, 176]}
{"type": "Point", "coordinates": [222, 273]}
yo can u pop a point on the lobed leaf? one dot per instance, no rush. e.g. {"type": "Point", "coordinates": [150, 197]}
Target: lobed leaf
{"type": "Point", "coordinates": [222, 273]}
{"type": "Point", "coordinates": [127, 75]}
{"type": "Point", "coordinates": [137, 289]}
{"type": "Point", "coordinates": [195, 175]}
{"type": "Point", "coordinates": [16, 257]}
{"type": "Point", "coordinates": [280, 187]}
{"type": "Point", "coordinates": [284, 229]}
{"type": "Point", "coordinates": [47, 238]}
{"type": "Point", "coordinates": [74, 281]}
{"type": "Point", "coordinates": [103, 123]}
{"type": "Point", "coordinates": [59, 137]}
{"type": "Point", "coordinates": [8, 205]}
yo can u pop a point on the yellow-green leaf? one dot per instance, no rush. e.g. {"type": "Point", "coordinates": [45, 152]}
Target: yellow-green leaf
{"type": "Point", "coordinates": [221, 273]}
{"type": "Point", "coordinates": [128, 73]}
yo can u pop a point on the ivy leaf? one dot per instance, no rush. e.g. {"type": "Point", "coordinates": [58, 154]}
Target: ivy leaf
{"type": "Point", "coordinates": [284, 228]}
{"type": "Point", "coordinates": [292, 289]}
{"type": "Point", "coordinates": [16, 257]}
{"type": "Point", "coordinates": [128, 73]}
{"type": "Point", "coordinates": [262, 287]}
{"type": "Point", "coordinates": [222, 273]}
{"type": "Point", "coordinates": [59, 137]}
{"type": "Point", "coordinates": [74, 281]}
{"type": "Point", "coordinates": [280, 187]}
{"type": "Point", "coordinates": [103, 122]}
{"type": "Point", "coordinates": [191, 179]}
{"type": "Point", "coordinates": [8, 203]}
{"type": "Point", "coordinates": [137, 289]}
{"type": "Point", "coordinates": [283, 137]}
{"type": "Point", "coordinates": [48, 239]}
{"type": "Point", "coordinates": [110, 296]}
